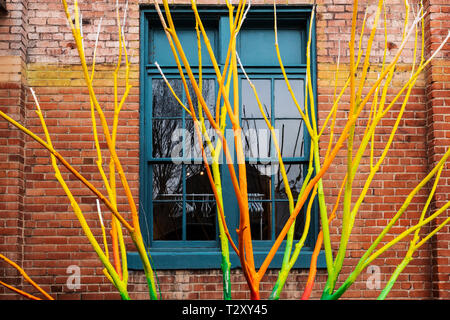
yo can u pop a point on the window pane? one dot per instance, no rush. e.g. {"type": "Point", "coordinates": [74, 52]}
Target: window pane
{"type": "Point", "coordinates": [256, 138]}
{"type": "Point", "coordinates": [290, 135]}
{"type": "Point", "coordinates": [250, 107]}
{"type": "Point", "coordinates": [282, 215]}
{"type": "Point", "coordinates": [260, 220]}
{"type": "Point", "coordinates": [284, 104]}
{"type": "Point", "coordinates": [167, 220]}
{"type": "Point", "coordinates": [256, 43]}
{"type": "Point", "coordinates": [164, 103]}
{"type": "Point", "coordinates": [200, 205]}
{"type": "Point", "coordinates": [161, 52]}
{"type": "Point", "coordinates": [167, 182]}
{"type": "Point", "coordinates": [208, 94]}
{"type": "Point", "coordinates": [259, 181]}
{"type": "Point", "coordinates": [201, 220]}
{"type": "Point", "coordinates": [192, 147]}
{"type": "Point", "coordinates": [295, 175]}
{"type": "Point", "coordinates": [167, 138]}
{"type": "Point", "coordinates": [198, 186]}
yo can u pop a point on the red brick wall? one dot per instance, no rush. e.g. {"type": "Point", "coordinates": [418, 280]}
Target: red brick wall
{"type": "Point", "coordinates": [438, 135]}
{"type": "Point", "coordinates": [40, 231]}
{"type": "Point", "coordinates": [13, 46]}
{"type": "Point", "coordinates": [405, 164]}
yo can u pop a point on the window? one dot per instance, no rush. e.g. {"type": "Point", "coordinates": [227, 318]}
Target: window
{"type": "Point", "coordinates": [178, 211]}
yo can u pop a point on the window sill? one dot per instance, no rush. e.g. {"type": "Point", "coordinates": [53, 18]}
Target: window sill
{"type": "Point", "coordinates": [210, 259]}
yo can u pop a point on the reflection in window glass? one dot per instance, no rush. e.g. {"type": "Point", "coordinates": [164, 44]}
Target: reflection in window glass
{"type": "Point", "coordinates": [256, 138]}
{"type": "Point", "coordinates": [201, 219]}
{"type": "Point", "coordinates": [291, 137]}
{"type": "Point", "coordinates": [250, 107]}
{"type": "Point", "coordinates": [259, 182]}
{"type": "Point", "coordinates": [164, 103]}
{"type": "Point", "coordinates": [167, 220]}
{"type": "Point", "coordinates": [200, 205]}
{"type": "Point", "coordinates": [167, 181]}
{"type": "Point", "coordinates": [260, 219]}
{"type": "Point", "coordinates": [197, 182]}
{"type": "Point", "coordinates": [167, 138]}
{"type": "Point", "coordinates": [284, 104]}
{"type": "Point", "coordinates": [208, 93]}
{"type": "Point", "coordinates": [192, 146]}
{"type": "Point", "coordinates": [282, 215]}
{"type": "Point", "coordinates": [295, 175]}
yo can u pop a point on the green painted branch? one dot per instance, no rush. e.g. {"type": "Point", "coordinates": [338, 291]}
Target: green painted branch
{"type": "Point", "coordinates": [288, 261]}
{"type": "Point", "coordinates": [148, 271]}
{"type": "Point", "coordinates": [225, 265]}
{"type": "Point", "coordinates": [362, 264]}
{"type": "Point", "coordinates": [394, 277]}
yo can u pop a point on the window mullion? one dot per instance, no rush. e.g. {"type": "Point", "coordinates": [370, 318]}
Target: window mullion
{"type": "Point", "coordinates": [273, 154]}
{"type": "Point", "coordinates": [183, 237]}
{"type": "Point", "coordinates": [183, 171]}
{"type": "Point", "coordinates": [224, 38]}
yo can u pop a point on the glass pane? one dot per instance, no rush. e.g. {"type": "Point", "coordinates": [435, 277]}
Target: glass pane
{"type": "Point", "coordinates": [167, 182]}
{"type": "Point", "coordinates": [167, 220]}
{"type": "Point", "coordinates": [167, 138]}
{"type": "Point", "coordinates": [209, 95]}
{"type": "Point", "coordinates": [200, 220]}
{"type": "Point", "coordinates": [290, 137]}
{"type": "Point", "coordinates": [250, 107]}
{"type": "Point", "coordinates": [198, 186]}
{"type": "Point", "coordinates": [200, 205]}
{"type": "Point", "coordinates": [256, 138]}
{"type": "Point", "coordinates": [160, 49]}
{"type": "Point", "coordinates": [192, 147]}
{"type": "Point", "coordinates": [164, 103]}
{"type": "Point", "coordinates": [284, 104]}
{"type": "Point", "coordinates": [281, 217]}
{"type": "Point", "coordinates": [256, 43]}
{"type": "Point", "coordinates": [295, 175]}
{"type": "Point", "coordinates": [259, 181]}
{"type": "Point", "coordinates": [260, 220]}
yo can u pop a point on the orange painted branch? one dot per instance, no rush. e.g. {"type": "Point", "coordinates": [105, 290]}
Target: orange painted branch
{"type": "Point", "coordinates": [23, 293]}
{"type": "Point", "coordinates": [115, 247]}
{"type": "Point", "coordinates": [243, 206]}
{"type": "Point", "coordinates": [318, 246]}
{"type": "Point", "coordinates": [213, 185]}
{"type": "Point", "coordinates": [70, 168]}
{"type": "Point", "coordinates": [351, 121]}
{"type": "Point", "coordinates": [25, 276]}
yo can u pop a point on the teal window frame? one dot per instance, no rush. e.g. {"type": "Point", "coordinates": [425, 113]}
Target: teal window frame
{"type": "Point", "coordinates": [206, 254]}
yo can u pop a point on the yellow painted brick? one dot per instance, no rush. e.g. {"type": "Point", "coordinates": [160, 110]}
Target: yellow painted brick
{"type": "Point", "coordinates": [48, 83]}
{"type": "Point", "coordinates": [72, 75]}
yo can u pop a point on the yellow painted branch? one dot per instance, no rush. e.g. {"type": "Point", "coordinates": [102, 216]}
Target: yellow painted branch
{"type": "Point", "coordinates": [304, 115]}
{"type": "Point", "coordinates": [78, 212]}
{"type": "Point", "coordinates": [409, 231]}
{"type": "Point", "coordinates": [69, 167]}
{"type": "Point", "coordinates": [336, 100]}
